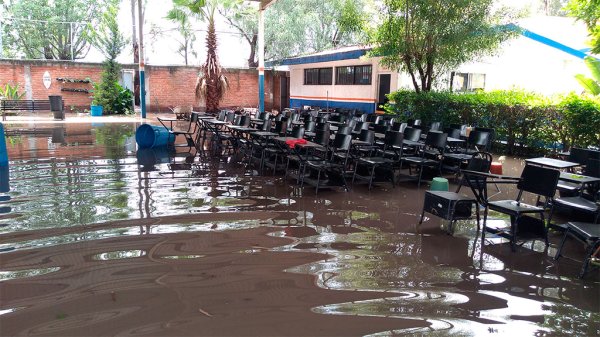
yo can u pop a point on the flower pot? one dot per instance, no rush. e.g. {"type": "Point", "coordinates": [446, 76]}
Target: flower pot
{"type": "Point", "coordinates": [96, 110]}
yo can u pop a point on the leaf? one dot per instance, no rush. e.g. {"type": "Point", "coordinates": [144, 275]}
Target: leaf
{"type": "Point", "coordinates": [594, 65]}
{"type": "Point", "coordinates": [588, 84]}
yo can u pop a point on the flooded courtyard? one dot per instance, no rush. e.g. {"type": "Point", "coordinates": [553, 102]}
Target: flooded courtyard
{"type": "Point", "coordinates": [98, 238]}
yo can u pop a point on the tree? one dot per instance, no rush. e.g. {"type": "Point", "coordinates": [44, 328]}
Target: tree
{"type": "Point", "coordinates": [426, 38]}
{"type": "Point", "coordinates": [212, 83]}
{"type": "Point", "coordinates": [553, 7]}
{"type": "Point", "coordinates": [184, 28]}
{"type": "Point", "coordinates": [588, 11]}
{"type": "Point", "coordinates": [109, 40]}
{"type": "Point", "coordinates": [299, 27]}
{"type": "Point", "coordinates": [51, 29]}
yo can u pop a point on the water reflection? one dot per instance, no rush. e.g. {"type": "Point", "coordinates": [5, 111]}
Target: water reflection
{"type": "Point", "coordinates": [80, 187]}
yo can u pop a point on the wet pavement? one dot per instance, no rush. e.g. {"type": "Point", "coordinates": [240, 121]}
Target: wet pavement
{"type": "Point", "coordinates": [89, 222]}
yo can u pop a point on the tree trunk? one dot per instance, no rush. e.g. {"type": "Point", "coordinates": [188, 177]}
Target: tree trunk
{"type": "Point", "coordinates": [252, 63]}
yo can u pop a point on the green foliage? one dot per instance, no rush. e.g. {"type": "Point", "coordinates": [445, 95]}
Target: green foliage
{"type": "Point", "coordinates": [591, 85]}
{"type": "Point", "coordinates": [41, 28]}
{"type": "Point", "coordinates": [588, 11]}
{"type": "Point", "coordinates": [522, 119]}
{"type": "Point", "coordinates": [299, 27]}
{"type": "Point", "coordinates": [11, 92]}
{"type": "Point", "coordinates": [108, 93]}
{"type": "Point", "coordinates": [426, 38]}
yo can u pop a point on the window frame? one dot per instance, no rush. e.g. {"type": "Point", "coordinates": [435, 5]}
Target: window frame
{"type": "Point", "coordinates": [354, 74]}
{"type": "Point", "coordinates": [320, 78]}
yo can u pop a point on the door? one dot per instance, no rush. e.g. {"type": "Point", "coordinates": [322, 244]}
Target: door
{"type": "Point", "coordinates": [384, 89]}
{"type": "Point", "coordinates": [284, 89]}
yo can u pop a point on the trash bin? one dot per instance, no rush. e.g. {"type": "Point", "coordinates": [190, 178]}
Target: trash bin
{"type": "Point", "coordinates": [148, 135]}
{"type": "Point", "coordinates": [56, 106]}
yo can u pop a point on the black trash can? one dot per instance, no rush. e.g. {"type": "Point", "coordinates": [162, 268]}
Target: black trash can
{"type": "Point", "coordinates": [56, 106]}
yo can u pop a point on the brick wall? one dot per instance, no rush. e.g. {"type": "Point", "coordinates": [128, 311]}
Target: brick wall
{"type": "Point", "coordinates": [167, 86]}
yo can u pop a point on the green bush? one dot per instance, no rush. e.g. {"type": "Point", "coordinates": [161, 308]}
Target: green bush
{"type": "Point", "coordinates": [522, 119]}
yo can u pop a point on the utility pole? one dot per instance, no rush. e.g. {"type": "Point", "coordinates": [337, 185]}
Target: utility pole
{"type": "Point", "coordinates": [142, 75]}
{"type": "Point", "coordinates": [261, 59]}
{"type": "Point", "coordinates": [136, 54]}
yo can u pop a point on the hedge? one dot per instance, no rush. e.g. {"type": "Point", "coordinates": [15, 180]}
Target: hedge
{"type": "Point", "coordinates": [523, 120]}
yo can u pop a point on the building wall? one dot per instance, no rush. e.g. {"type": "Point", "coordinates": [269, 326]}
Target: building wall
{"type": "Point", "coordinates": [166, 86]}
{"type": "Point", "coordinates": [362, 97]}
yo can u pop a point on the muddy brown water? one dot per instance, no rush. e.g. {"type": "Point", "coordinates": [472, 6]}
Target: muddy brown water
{"type": "Point", "coordinates": [97, 238]}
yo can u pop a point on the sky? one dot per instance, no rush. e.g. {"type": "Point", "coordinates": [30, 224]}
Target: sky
{"type": "Point", "coordinates": [232, 50]}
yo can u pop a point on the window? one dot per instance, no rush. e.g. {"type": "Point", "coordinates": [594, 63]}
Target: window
{"type": "Point", "coordinates": [468, 82]}
{"type": "Point", "coordinates": [353, 75]}
{"type": "Point", "coordinates": [322, 76]}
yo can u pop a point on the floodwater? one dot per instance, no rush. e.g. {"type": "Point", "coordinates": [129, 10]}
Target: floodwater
{"type": "Point", "coordinates": [97, 238]}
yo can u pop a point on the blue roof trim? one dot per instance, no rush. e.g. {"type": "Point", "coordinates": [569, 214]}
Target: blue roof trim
{"type": "Point", "coordinates": [554, 44]}
{"type": "Point", "coordinates": [348, 55]}
{"type": "Point", "coordinates": [549, 42]}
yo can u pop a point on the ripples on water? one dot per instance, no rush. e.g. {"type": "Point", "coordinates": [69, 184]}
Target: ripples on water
{"type": "Point", "coordinates": [96, 176]}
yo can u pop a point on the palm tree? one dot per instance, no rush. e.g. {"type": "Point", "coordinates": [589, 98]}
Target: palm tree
{"type": "Point", "coordinates": [212, 83]}
{"type": "Point", "coordinates": [591, 85]}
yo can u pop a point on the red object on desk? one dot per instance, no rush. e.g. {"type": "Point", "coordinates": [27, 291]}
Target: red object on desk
{"type": "Point", "coordinates": [496, 168]}
{"type": "Point", "coordinates": [292, 142]}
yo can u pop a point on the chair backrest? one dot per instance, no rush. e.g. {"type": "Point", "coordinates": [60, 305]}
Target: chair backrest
{"type": "Point", "coordinates": [436, 140]}
{"type": "Point", "coordinates": [298, 131]}
{"type": "Point", "coordinates": [280, 127]}
{"type": "Point", "coordinates": [308, 118]}
{"type": "Point", "coordinates": [351, 123]}
{"type": "Point", "coordinates": [367, 136]}
{"type": "Point", "coordinates": [230, 117]}
{"type": "Point", "coordinates": [454, 133]}
{"type": "Point", "coordinates": [309, 125]}
{"type": "Point", "coordinates": [479, 138]}
{"type": "Point", "coordinates": [323, 126]}
{"type": "Point", "coordinates": [393, 139]}
{"type": "Point", "coordinates": [412, 134]}
{"type": "Point", "coordinates": [381, 128]}
{"type": "Point", "coordinates": [579, 155]}
{"type": "Point", "coordinates": [592, 168]}
{"type": "Point", "coordinates": [245, 120]}
{"type": "Point", "coordinates": [222, 115]}
{"type": "Point", "coordinates": [344, 130]}
{"type": "Point", "coordinates": [416, 122]}
{"type": "Point", "coordinates": [361, 126]}
{"type": "Point", "coordinates": [342, 142]}
{"type": "Point", "coordinates": [321, 119]}
{"type": "Point", "coordinates": [322, 137]}
{"type": "Point", "coordinates": [538, 180]}
{"type": "Point", "coordinates": [399, 126]}
{"type": "Point", "coordinates": [479, 162]}
{"type": "Point", "coordinates": [262, 115]}
{"type": "Point", "coordinates": [266, 125]}
{"type": "Point", "coordinates": [435, 126]}
{"type": "Point", "coordinates": [491, 137]}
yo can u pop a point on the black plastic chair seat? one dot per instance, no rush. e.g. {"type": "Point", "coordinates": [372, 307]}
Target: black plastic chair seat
{"type": "Point", "coordinates": [513, 207]}
{"type": "Point", "coordinates": [375, 161]}
{"type": "Point", "coordinates": [458, 156]}
{"type": "Point", "coordinates": [323, 165]}
{"type": "Point", "coordinates": [577, 203]}
{"type": "Point", "coordinates": [420, 161]}
{"type": "Point", "coordinates": [586, 230]}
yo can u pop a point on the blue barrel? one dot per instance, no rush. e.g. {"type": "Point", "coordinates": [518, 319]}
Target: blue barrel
{"type": "Point", "coordinates": [3, 152]}
{"type": "Point", "coordinates": [148, 135]}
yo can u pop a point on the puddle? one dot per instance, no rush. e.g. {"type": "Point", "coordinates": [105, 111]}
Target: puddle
{"type": "Point", "coordinates": [369, 241]}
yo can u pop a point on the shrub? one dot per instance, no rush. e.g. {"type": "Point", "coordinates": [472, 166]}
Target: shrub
{"type": "Point", "coordinates": [522, 119]}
